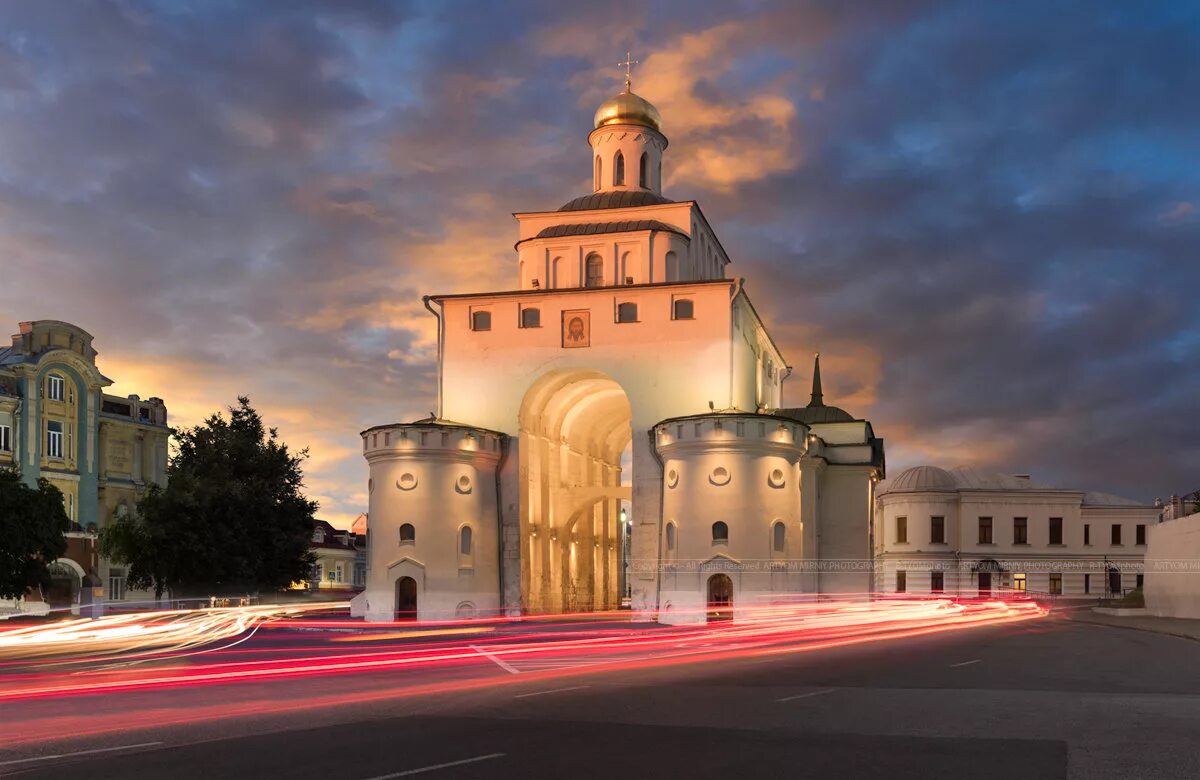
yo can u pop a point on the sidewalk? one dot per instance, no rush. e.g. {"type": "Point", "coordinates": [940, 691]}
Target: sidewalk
{"type": "Point", "coordinates": [1180, 627]}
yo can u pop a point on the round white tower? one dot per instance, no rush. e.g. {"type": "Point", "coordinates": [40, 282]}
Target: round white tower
{"type": "Point", "coordinates": [432, 543]}
{"type": "Point", "coordinates": [627, 144]}
{"type": "Point", "coordinates": [731, 511]}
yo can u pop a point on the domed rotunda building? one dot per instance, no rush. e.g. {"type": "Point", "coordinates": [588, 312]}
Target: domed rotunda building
{"type": "Point", "coordinates": [610, 432]}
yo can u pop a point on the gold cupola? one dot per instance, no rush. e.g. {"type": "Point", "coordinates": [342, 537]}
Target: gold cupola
{"type": "Point", "coordinates": [627, 108]}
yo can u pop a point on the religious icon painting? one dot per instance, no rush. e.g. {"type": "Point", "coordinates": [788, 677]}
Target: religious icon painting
{"type": "Point", "coordinates": [576, 328]}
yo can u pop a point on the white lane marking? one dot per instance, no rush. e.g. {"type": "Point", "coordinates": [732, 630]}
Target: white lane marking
{"type": "Point", "coordinates": [435, 767]}
{"type": "Point", "coordinates": [553, 690]}
{"type": "Point", "coordinates": [806, 695]}
{"type": "Point", "coordinates": [495, 659]}
{"type": "Point", "coordinates": [966, 663]}
{"type": "Point", "coordinates": [79, 753]}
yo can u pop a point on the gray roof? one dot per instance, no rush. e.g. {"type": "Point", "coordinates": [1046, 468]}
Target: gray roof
{"type": "Point", "coordinates": [932, 478]}
{"type": "Point", "coordinates": [810, 415]}
{"type": "Point", "coordinates": [595, 228]}
{"type": "Point", "coordinates": [617, 199]}
{"type": "Point", "coordinates": [1093, 498]}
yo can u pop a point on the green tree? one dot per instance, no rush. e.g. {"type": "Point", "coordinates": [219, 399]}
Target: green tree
{"type": "Point", "coordinates": [32, 524]}
{"type": "Point", "coordinates": [231, 519]}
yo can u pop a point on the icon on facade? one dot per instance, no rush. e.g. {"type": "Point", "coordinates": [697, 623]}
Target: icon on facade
{"type": "Point", "coordinates": [577, 328]}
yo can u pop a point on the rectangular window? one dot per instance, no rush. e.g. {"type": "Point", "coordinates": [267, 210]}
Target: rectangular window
{"type": "Point", "coordinates": [1116, 533]}
{"type": "Point", "coordinates": [682, 309]}
{"type": "Point", "coordinates": [5, 438]}
{"type": "Point", "coordinates": [901, 581]}
{"type": "Point", "coordinates": [531, 318]}
{"type": "Point", "coordinates": [627, 312]}
{"type": "Point", "coordinates": [937, 530]}
{"type": "Point", "coordinates": [985, 530]}
{"type": "Point", "coordinates": [1140, 533]}
{"type": "Point", "coordinates": [481, 320]}
{"type": "Point", "coordinates": [1020, 530]}
{"type": "Point", "coordinates": [116, 585]}
{"type": "Point", "coordinates": [54, 439]}
{"type": "Point", "coordinates": [1087, 533]}
{"type": "Point", "coordinates": [1056, 530]}
{"type": "Point", "coordinates": [1019, 583]}
{"type": "Point", "coordinates": [1055, 583]}
{"type": "Point", "coordinates": [1141, 580]}
{"type": "Point", "coordinates": [901, 530]}
{"type": "Point", "coordinates": [56, 388]}
{"type": "Point", "coordinates": [937, 581]}
{"type": "Point", "coordinates": [1087, 583]}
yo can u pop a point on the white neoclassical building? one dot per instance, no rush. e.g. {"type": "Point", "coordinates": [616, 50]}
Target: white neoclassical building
{"type": "Point", "coordinates": [611, 428]}
{"type": "Point", "coordinates": [969, 532]}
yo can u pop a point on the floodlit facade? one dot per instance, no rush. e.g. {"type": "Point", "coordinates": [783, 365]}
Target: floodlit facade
{"type": "Point", "coordinates": [624, 395]}
{"type": "Point", "coordinates": [101, 451]}
{"type": "Point", "coordinates": [968, 532]}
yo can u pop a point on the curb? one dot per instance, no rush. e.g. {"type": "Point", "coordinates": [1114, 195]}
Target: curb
{"type": "Point", "coordinates": [1148, 630]}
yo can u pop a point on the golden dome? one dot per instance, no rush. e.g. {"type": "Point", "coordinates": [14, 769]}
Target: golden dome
{"type": "Point", "coordinates": [628, 109]}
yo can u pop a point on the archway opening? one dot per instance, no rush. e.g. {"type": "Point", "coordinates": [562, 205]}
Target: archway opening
{"type": "Point", "coordinates": [406, 598]}
{"type": "Point", "coordinates": [65, 583]}
{"type": "Point", "coordinates": [575, 425]}
{"type": "Point", "coordinates": [720, 598]}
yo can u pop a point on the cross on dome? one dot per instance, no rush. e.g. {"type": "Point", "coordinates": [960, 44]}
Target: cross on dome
{"type": "Point", "coordinates": [628, 65]}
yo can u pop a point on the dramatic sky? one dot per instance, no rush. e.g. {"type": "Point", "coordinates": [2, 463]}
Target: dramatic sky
{"type": "Point", "coordinates": [985, 215]}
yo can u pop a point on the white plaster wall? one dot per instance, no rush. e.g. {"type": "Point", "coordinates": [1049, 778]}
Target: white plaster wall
{"type": "Point", "coordinates": [846, 498]}
{"type": "Point", "coordinates": [750, 449]}
{"type": "Point", "coordinates": [676, 367]}
{"type": "Point", "coordinates": [1172, 586]}
{"type": "Point", "coordinates": [437, 506]}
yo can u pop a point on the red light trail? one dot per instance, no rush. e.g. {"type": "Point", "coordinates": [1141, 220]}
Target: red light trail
{"type": "Point", "coordinates": [596, 643]}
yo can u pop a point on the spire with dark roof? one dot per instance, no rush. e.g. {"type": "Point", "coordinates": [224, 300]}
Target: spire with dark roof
{"type": "Point", "coordinates": [817, 397]}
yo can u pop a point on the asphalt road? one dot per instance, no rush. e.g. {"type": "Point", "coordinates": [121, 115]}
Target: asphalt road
{"type": "Point", "coordinates": [1043, 699]}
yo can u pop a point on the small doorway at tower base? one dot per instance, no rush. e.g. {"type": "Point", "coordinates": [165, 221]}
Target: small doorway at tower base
{"type": "Point", "coordinates": [720, 598]}
{"type": "Point", "coordinates": [406, 599]}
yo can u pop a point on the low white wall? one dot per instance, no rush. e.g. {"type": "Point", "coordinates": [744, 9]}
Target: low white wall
{"type": "Point", "coordinates": [1172, 586]}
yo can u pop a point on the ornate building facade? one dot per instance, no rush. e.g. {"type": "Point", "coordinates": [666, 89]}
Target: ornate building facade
{"type": "Point", "coordinates": [625, 394]}
{"type": "Point", "coordinates": [101, 451]}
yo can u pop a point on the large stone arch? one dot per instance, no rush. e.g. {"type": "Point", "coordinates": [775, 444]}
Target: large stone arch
{"type": "Point", "coordinates": [574, 424]}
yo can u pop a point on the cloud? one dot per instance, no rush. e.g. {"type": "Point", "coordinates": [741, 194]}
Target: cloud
{"type": "Point", "coordinates": [985, 224]}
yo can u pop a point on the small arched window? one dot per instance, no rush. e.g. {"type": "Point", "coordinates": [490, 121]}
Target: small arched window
{"type": "Point", "coordinates": [682, 309]}
{"type": "Point", "coordinates": [594, 271]}
{"type": "Point", "coordinates": [408, 533]}
{"type": "Point", "coordinates": [670, 537]}
{"type": "Point", "coordinates": [720, 532]}
{"type": "Point", "coordinates": [672, 267]}
{"type": "Point", "coordinates": [465, 540]}
{"type": "Point", "coordinates": [627, 312]}
{"type": "Point", "coordinates": [643, 171]}
{"type": "Point", "coordinates": [556, 277]}
{"type": "Point", "coordinates": [481, 320]}
{"type": "Point", "coordinates": [599, 170]}
{"type": "Point", "coordinates": [531, 318]}
{"type": "Point", "coordinates": [778, 537]}
{"type": "Point", "coordinates": [618, 170]}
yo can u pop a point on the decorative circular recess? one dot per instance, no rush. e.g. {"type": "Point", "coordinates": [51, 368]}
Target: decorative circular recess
{"type": "Point", "coordinates": [407, 481]}
{"type": "Point", "coordinates": [775, 478]}
{"type": "Point", "coordinates": [672, 478]}
{"type": "Point", "coordinates": [719, 476]}
{"type": "Point", "coordinates": [463, 485]}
